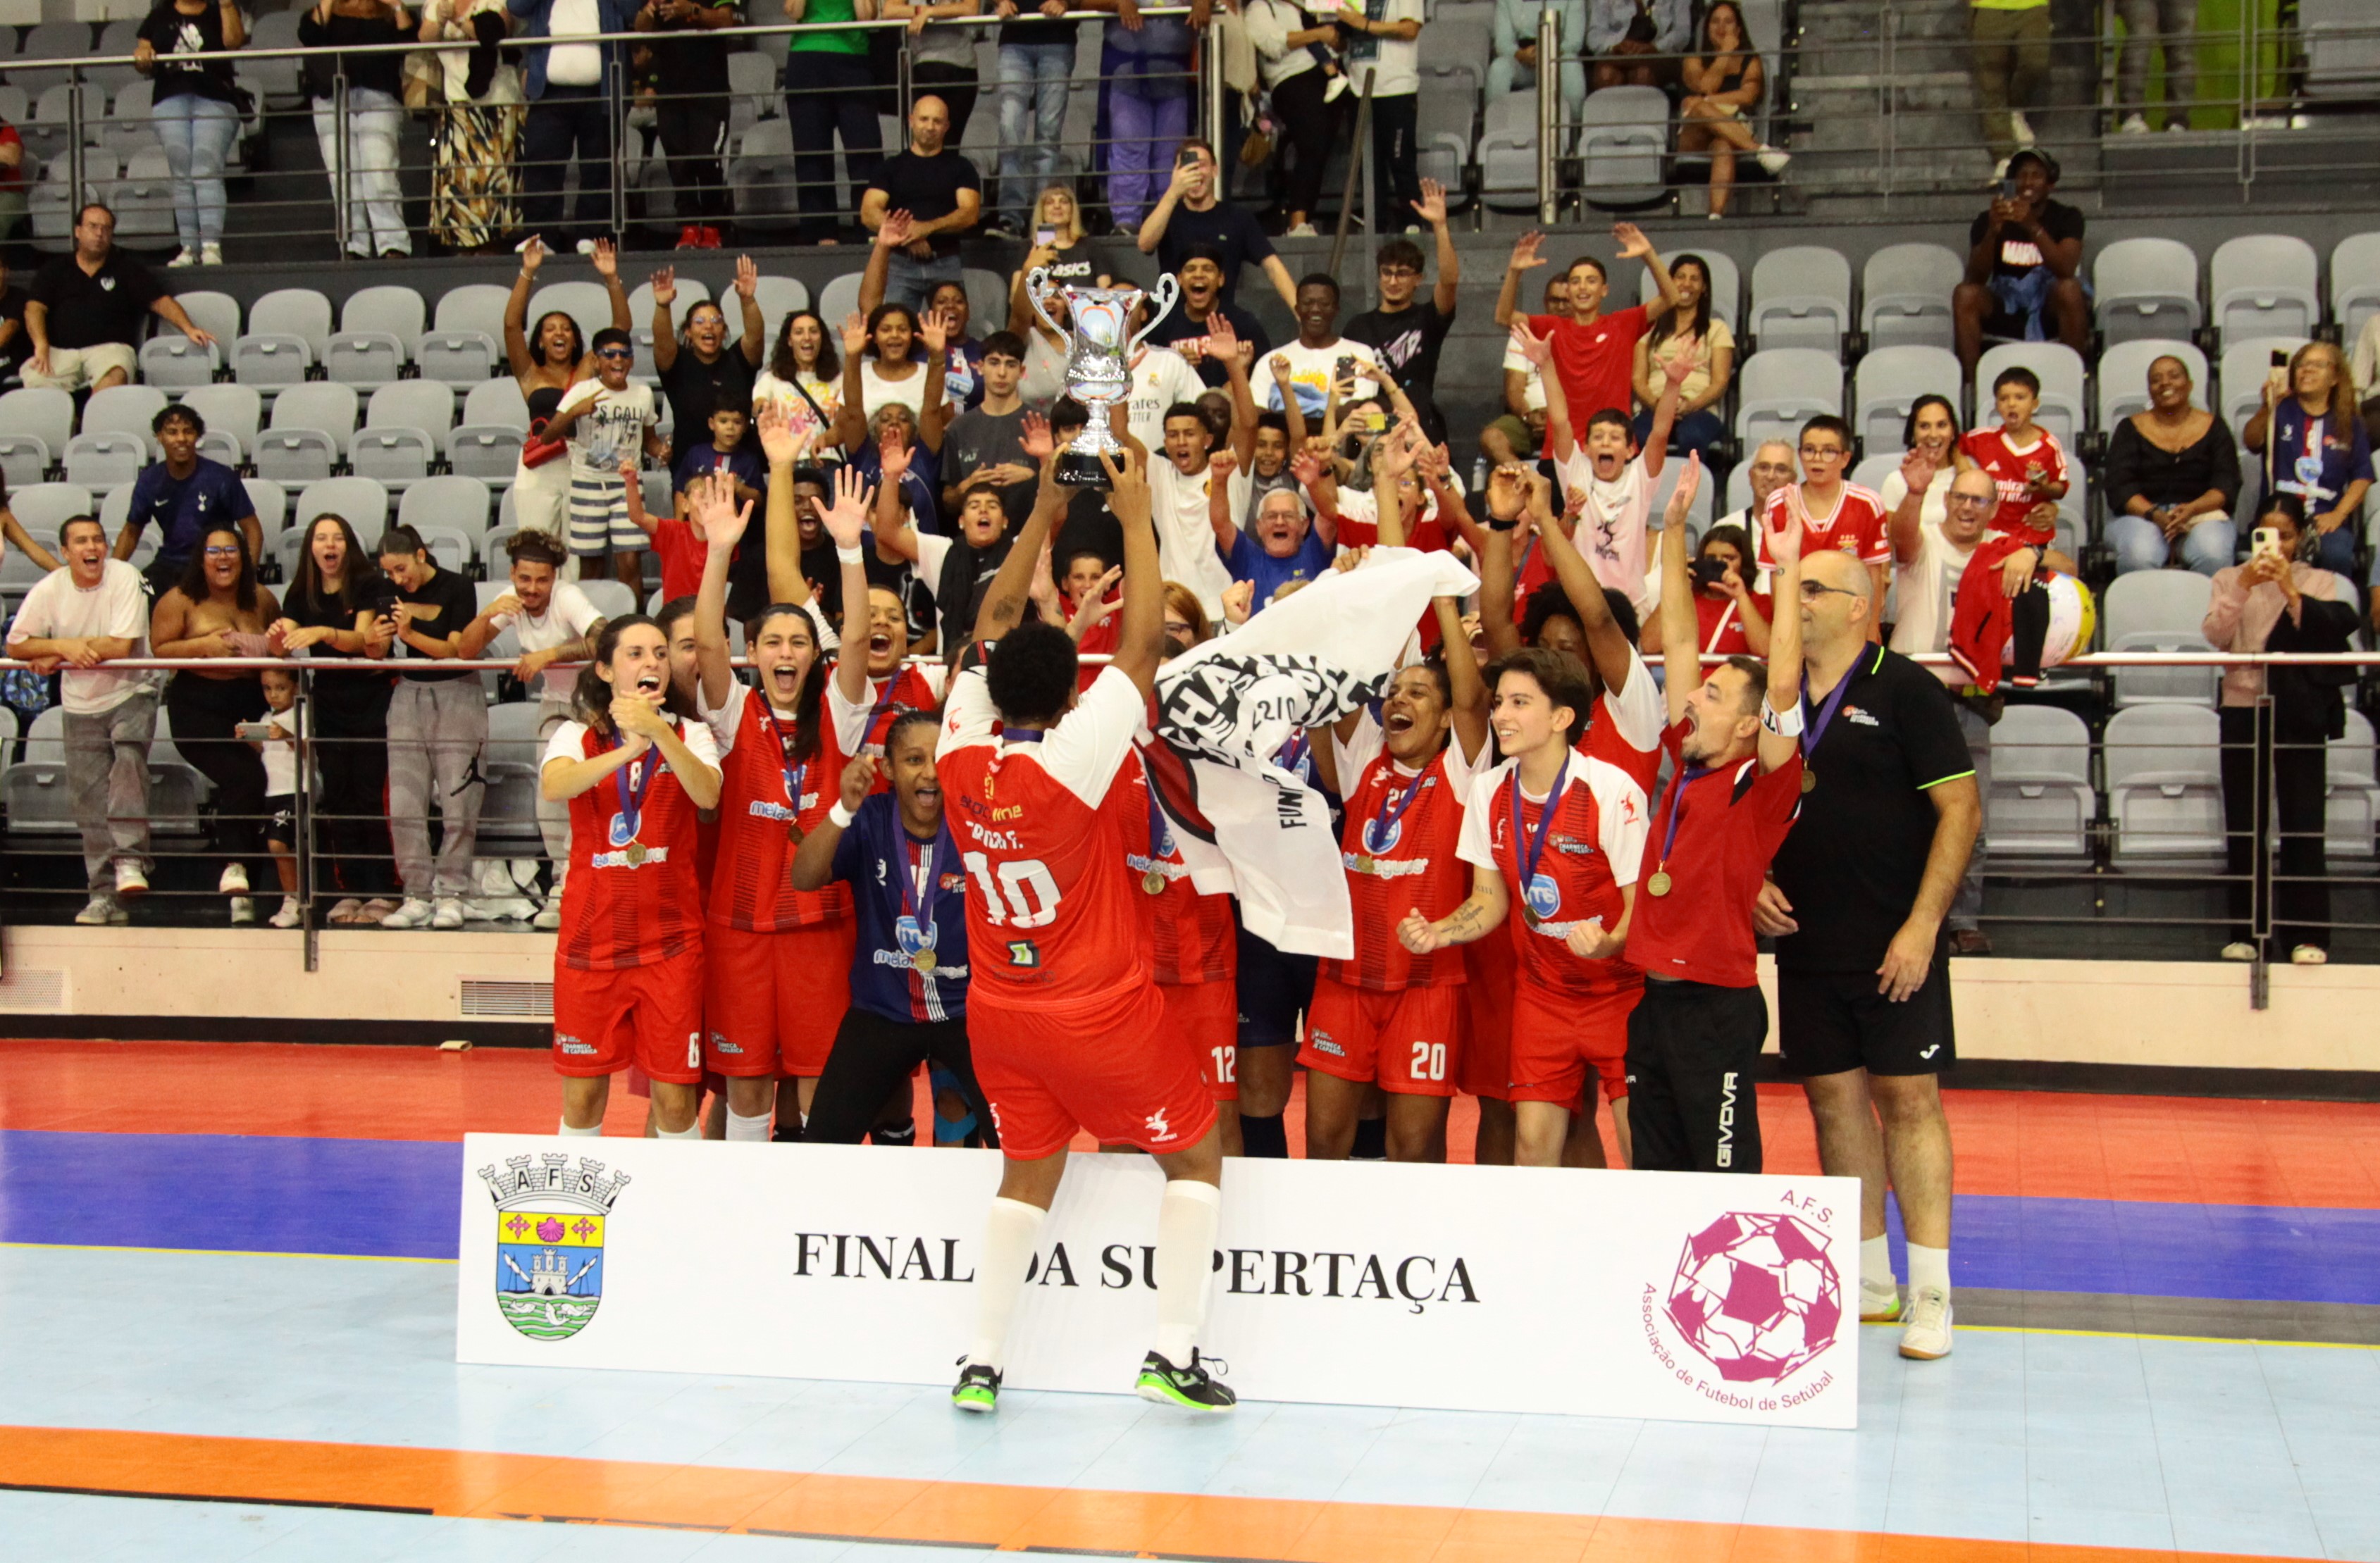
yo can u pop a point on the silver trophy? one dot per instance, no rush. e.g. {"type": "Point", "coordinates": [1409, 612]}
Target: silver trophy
{"type": "Point", "coordinates": [1099, 363]}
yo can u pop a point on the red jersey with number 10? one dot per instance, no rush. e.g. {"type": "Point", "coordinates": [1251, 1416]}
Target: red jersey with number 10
{"type": "Point", "coordinates": [752, 885]}
{"type": "Point", "coordinates": [1405, 866]}
{"type": "Point", "coordinates": [1591, 850]}
{"type": "Point", "coordinates": [632, 898]}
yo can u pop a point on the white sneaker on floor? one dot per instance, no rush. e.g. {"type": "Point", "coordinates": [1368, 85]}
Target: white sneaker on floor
{"type": "Point", "coordinates": [130, 879]}
{"type": "Point", "coordinates": [234, 881]}
{"type": "Point", "coordinates": [1927, 1337]}
{"type": "Point", "coordinates": [1773, 159]}
{"type": "Point", "coordinates": [2308, 955]}
{"type": "Point", "coordinates": [415, 914]}
{"type": "Point", "coordinates": [449, 913]}
{"type": "Point", "coordinates": [243, 909]}
{"type": "Point", "coordinates": [210, 255]}
{"type": "Point", "coordinates": [187, 256]}
{"type": "Point", "coordinates": [288, 916]}
{"type": "Point", "coordinates": [2020, 128]}
{"type": "Point", "coordinates": [1879, 1304]}
{"type": "Point", "coordinates": [2239, 950]}
{"type": "Point", "coordinates": [2134, 125]}
{"type": "Point", "coordinates": [549, 916]}
{"type": "Point", "coordinates": [1302, 230]}
{"type": "Point", "coordinates": [101, 909]}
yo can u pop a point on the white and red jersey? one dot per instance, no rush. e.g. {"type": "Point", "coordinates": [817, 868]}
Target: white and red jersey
{"type": "Point", "coordinates": [1591, 849]}
{"type": "Point", "coordinates": [854, 728]}
{"type": "Point", "coordinates": [1857, 526]}
{"type": "Point", "coordinates": [2014, 468]}
{"type": "Point", "coordinates": [1050, 920]}
{"type": "Point", "coordinates": [1399, 848]}
{"type": "Point", "coordinates": [632, 898]}
{"type": "Point", "coordinates": [752, 885]}
{"type": "Point", "coordinates": [1190, 937]}
{"type": "Point", "coordinates": [1359, 522]}
{"type": "Point", "coordinates": [1626, 728]}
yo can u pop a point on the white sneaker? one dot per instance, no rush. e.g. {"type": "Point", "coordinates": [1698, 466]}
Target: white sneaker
{"type": "Point", "coordinates": [243, 909]}
{"type": "Point", "coordinates": [415, 914]}
{"type": "Point", "coordinates": [101, 909]}
{"type": "Point", "coordinates": [2308, 955]}
{"type": "Point", "coordinates": [1302, 230]}
{"type": "Point", "coordinates": [1928, 1336]}
{"type": "Point", "coordinates": [449, 913]}
{"type": "Point", "coordinates": [234, 881]}
{"type": "Point", "coordinates": [130, 879]}
{"type": "Point", "coordinates": [2134, 125]}
{"type": "Point", "coordinates": [1773, 159]}
{"type": "Point", "coordinates": [1879, 1304]}
{"type": "Point", "coordinates": [2020, 128]}
{"type": "Point", "coordinates": [549, 916]}
{"type": "Point", "coordinates": [288, 916]}
{"type": "Point", "coordinates": [2239, 950]}
{"type": "Point", "coordinates": [1337, 85]}
{"type": "Point", "coordinates": [210, 255]}
{"type": "Point", "coordinates": [187, 256]}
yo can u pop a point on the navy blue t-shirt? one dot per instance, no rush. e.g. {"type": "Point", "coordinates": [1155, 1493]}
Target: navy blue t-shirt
{"type": "Point", "coordinates": [743, 464]}
{"type": "Point", "coordinates": [185, 509]}
{"type": "Point", "coordinates": [874, 854]}
{"type": "Point", "coordinates": [1247, 561]}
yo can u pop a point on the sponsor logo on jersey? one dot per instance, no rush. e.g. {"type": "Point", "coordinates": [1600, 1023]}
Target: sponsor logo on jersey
{"type": "Point", "coordinates": [761, 808]}
{"type": "Point", "coordinates": [1024, 953]}
{"type": "Point", "coordinates": [620, 859]}
{"type": "Point", "coordinates": [899, 959]}
{"type": "Point", "coordinates": [1864, 719]}
{"type": "Point", "coordinates": [550, 1221]}
{"type": "Point", "coordinates": [1385, 867]}
{"type": "Point", "coordinates": [572, 1045]}
{"type": "Point", "coordinates": [1321, 1042]}
{"type": "Point", "coordinates": [720, 1043]}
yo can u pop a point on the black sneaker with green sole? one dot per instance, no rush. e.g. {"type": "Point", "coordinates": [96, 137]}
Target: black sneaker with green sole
{"type": "Point", "coordinates": [977, 1388]}
{"type": "Point", "coordinates": [1192, 1387]}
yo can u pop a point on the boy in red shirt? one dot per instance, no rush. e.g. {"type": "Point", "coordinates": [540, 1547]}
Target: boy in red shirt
{"type": "Point", "coordinates": [2001, 613]}
{"type": "Point", "coordinates": [1595, 353]}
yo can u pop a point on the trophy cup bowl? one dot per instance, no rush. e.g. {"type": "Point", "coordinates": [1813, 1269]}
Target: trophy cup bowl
{"type": "Point", "coordinates": [1099, 363]}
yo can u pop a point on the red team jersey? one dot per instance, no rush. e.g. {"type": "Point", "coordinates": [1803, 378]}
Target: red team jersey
{"type": "Point", "coordinates": [855, 730]}
{"type": "Point", "coordinates": [1190, 935]}
{"type": "Point", "coordinates": [2012, 470]}
{"type": "Point", "coordinates": [1857, 526]}
{"type": "Point", "coordinates": [617, 914]}
{"type": "Point", "coordinates": [1591, 850]}
{"type": "Point", "coordinates": [1730, 824]}
{"type": "Point", "coordinates": [1400, 865]}
{"type": "Point", "coordinates": [752, 889]}
{"type": "Point", "coordinates": [1626, 730]}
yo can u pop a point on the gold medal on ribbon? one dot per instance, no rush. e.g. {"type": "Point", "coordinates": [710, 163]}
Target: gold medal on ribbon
{"type": "Point", "coordinates": [924, 961]}
{"type": "Point", "coordinates": [1809, 778]}
{"type": "Point", "coordinates": [1364, 864]}
{"type": "Point", "coordinates": [636, 854]}
{"type": "Point", "coordinates": [1659, 883]}
{"type": "Point", "coordinates": [1530, 917]}
{"type": "Point", "coordinates": [1153, 881]}
{"type": "Point", "coordinates": [793, 832]}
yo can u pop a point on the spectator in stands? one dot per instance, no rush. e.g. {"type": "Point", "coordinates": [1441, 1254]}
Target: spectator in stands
{"type": "Point", "coordinates": [607, 421]}
{"type": "Point", "coordinates": [571, 106]}
{"type": "Point", "coordinates": [1724, 81]}
{"type": "Point", "coordinates": [1771, 468]}
{"type": "Point", "coordinates": [942, 59]}
{"type": "Point", "coordinates": [1046, 351]}
{"type": "Point", "coordinates": [2365, 367]}
{"type": "Point", "coordinates": [962, 354]}
{"type": "Point", "coordinates": [1036, 66]}
{"type": "Point", "coordinates": [2277, 601]}
{"type": "Point", "coordinates": [1149, 87]}
{"type": "Point", "coordinates": [1593, 351]}
{"type": "Point", "coordinates": [700, 373]}
{"type": "Point", "coordinates": [830, 90]}
{"type": "Point", "coordinates": [984, 447]}
{"type": "Point", "coordinates": [76, 620]}
{"type": "Point", "coordinates": [2317, 450]}
{"type": "Point", "coordinates": [2172, 477]}
{"type": "Point", "coordinates": [888, 357]}
{"type": "Point", "coordinates": [1406, 332]}
{"type": "Point", "coordinates": [195, 107]}
{"type": "Point", "coordinates": [1525, 385]}
{"type": "Point", "coordinates": [1319, 358]}
{"type": "Point", "coordinates": [327, 613]}
{"type": "Point", "coordinates": [12, 179]}
{"type": "Point", "coordinates": [917, 203]}
{"type": "Point", "coordinates": [217, 610]}
{"type": "Point", "coordinates": [1302, 93]}
{"type": "Point", "coordinates": [1191, 214]}
{"type": "Point", "coordinates": [101, 299]}
{"type": "Point", "coordinates": [2024, 266]}
{"type": "Point", "coordinates": [546, 363]}
{"type": "Point", "coordinates": [804, 379]}
{"type": "Point", "coordinates": [2148, 23]}
{"type": "Point", "coordinates": [184, 495]}
{"type": "Point", "coordinates": [1512, 61]}
{"type": "Point", "coordinates": [474, 187]}
{"type": "Point", "coordinates": [1931, 431]}
{"type": "Point", "coordinates": [2010, 65]}
{"type": "Point", "coordinates": [1627, 38]}
{"type": "Point", "coordinates": [437, 724]}
{"type": "Point", "coordinates": [1383, 52]}
{"type": "Point", "coordinates": [1188, 326]}
{"type": "Point", "coordinates": [690, 109]}
{"type": "Point", "coordinates": [1057, 239]}
{"type": "Point", "coordinates": [1733, 620]}
{"type": "Point", "coordinates": [375, 113]}
{"type": "Point", "coordinates": [1687, 330]}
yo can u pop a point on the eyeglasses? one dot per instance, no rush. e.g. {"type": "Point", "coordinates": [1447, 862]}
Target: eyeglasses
{"type": "Point", "coordinates": [1813, 591]}
{"type": "Point", "coordinates": [1810, 451]}
{"type": "Point", "coordinates": [615, 353]}
{"type": "Point", "coordinates": [217, 551]}
{"type": "Point", "coordinates": [1954, 497]}
{"type": "Point", "coordinates": [1399, 272]}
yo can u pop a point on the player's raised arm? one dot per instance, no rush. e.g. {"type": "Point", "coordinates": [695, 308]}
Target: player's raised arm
{"type": "Point", "coordinates": [1785, 637]}
{"type": "Point", "coordinates": [781, 528]}
{"type": "Point", "coordinates": [711, 499]}
{"type": "Point", "coordinates": [1680, 630]}
{"type": "Point", "coordinates": [846, 522]}
{"type": "Point", "coordinates": [1606, 644]}
{"type": "Point", "coordinates": [1140, 640]}
{"type": "Point", "coordinates": [1463, 676]}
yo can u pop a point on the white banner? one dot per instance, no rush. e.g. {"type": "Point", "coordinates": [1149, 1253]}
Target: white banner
{"type": "Point", "coordinates": [1645, 1294]}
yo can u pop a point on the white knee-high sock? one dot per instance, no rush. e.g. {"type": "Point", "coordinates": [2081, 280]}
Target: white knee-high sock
{"type": "Point", "coordinates": [593, 1133]}
{"type": "Point", "coordinates": [1009, 1231]}
{"type": "Point", "coordinates": [758, 1127]}
{"type": "Point", "coordinates": [691, 1132]}
{"type": "Point", "coordinates": [1186, 1222]}
{"type": "Point", "coordinates": [1876, 1261]}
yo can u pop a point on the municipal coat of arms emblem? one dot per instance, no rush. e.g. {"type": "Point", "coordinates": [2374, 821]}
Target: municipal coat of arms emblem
{"type": "Point", "coordinates": [550, 1221]}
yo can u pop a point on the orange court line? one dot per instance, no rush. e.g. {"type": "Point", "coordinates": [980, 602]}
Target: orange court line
{"type": "Point", "coordinates": [559, 1489]}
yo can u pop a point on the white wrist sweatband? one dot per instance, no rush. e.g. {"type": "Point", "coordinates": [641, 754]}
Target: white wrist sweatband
{"type": "Point", "coordinates": [848, 555]}
{"type": "Point", "coordinates": [841, 815]}
{"type": "Point", "coordinates": [1785, 724]}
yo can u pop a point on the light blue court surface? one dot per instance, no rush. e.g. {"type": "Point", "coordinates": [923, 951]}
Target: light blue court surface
{"type": "Point", "coordinates": [2220, 1446]}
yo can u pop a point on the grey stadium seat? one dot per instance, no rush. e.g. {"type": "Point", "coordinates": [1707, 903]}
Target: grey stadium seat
{"type": "Point", "coordinates": [1508, 153]}
{"type": "Point", "coordinates": [2352, 812]}
{"type": "Point", "coordinates": [2355, 283]}
{"type": "Point", "coordinates": [1887, 381]}
{"type": "Point", "coordinates": [287, 331]}
{"type": "Point", "coordinates": [1623, 134]}
{"type": "Point", "coordinates": [2165, 786]}
{"type": "Point", "coordinates": [1801, 298]}
{"type": "Point", "coordinates": [405, 432]}
{"type": "Point", "coordinates": [453, 548]}
{"type": "Point", "coordinates": [272, 502]}
{"type": "Point", "coordinates": [2342, 48]}
{"type": "Point", "coordinates": [172, 361]}
{"type": "Point", "coordinates": [777, 296]}
{"type": "Point", "coordinates": [2263, 284]}
{"type": "Point", "coordinates": [2042, 803]}
{"type": "Point", "coordinates": [837, 299]}
{"type": "Point", "coordinates": [466, 342]}
{"type": "Point", "coordinates": [308, 437]}
{"type": "Point", "coordinates": [1727, 283]}
{"type": "Point", "coordinates": [43, 508]}
{"type": "Point", "coordinates": [1448, 121]}
{"type": "Point", "coordinates": [35, 424]}
{"type": "Point", "coordinates": [2147, 287]}
{"type": "Point", "coordinates": [361, 502]}
{"type": "Point", "coordinates": [2124, 377]}
{"type": "Point", "coordinates": [447, 500]}
{"type": "Point", "coordinates": [585, 302]}
{"type": "Point", "coordinates": [379, 329]}
{"type": "Point", "coordinates": [2159, 611]}
{"type": "Point", "coordinates": [2065, 409]}
{"type": "Point", "coordinates": [1777, 390]}
{"type": "Point", "coordinates": [611, 599]}
{"type": "Point", "coordinates": [487, 443]}
{"type": "Point", "coordinates": [1905, 294]}
{"type": "Point", "coordinates": [2246, 362]}
{"type": "Point", "coordinates": [760, 173]}
{"type": "Point", "coordinates": [235, 410]}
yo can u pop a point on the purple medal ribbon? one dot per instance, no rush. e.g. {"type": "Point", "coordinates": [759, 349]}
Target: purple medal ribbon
{"type": "Point", "coordinates": [795, 775]}
{"type": "Point", "coordinates": [632, 793]}
{"type": "Point", "coordinates": [1387, 819]}
{"type": "Point", "coordinates": [1535, 849]}
{"type": "Point", "coordinates": [921, 912]}
{"type": "Point", "coordinates": [1817, 725]}
{"type": "Point", "coordinates": [1685, 779]}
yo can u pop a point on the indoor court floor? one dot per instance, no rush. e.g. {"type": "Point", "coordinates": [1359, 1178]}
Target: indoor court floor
{"type": "Point", "coordinates": [227, 1331]}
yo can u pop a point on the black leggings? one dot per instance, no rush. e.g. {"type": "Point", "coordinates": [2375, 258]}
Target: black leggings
{"type": "Point", "coordinates": [2302, 896]}
{"type": "Point", "coordinates": [694, 135]}
{"type": "Point", "coordinates": [204, 712]}
{"type": "Point", "coordinates": [1310, 126]}
{"type": "Point", "coordinates": [351, 800]}
{"type": "Point", "coordinates": [872, 1055]}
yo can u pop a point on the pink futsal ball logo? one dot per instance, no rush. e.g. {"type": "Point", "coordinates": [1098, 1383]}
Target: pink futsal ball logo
{"type": "Point", "coordinates": [1758, 1295]}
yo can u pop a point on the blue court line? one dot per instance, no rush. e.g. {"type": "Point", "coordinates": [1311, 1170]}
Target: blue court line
{"type": "Point", "coordinates": [397, 1199]}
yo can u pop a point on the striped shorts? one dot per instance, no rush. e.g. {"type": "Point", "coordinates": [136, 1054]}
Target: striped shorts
{"type": "Point", "coordinates": [598, 518]}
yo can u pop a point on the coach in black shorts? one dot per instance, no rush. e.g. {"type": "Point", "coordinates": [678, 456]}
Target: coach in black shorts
{"type": "Point", "coordinates": [1857, 897]}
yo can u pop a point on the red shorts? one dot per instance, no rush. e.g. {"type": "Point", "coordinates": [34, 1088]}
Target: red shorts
{"type": "Point", "coordinates": [776, 999]}
{"type": "Point", "coordinates": [650, 1016]}
{"type": "Point", "coordinates": [1484, 1018]}
{"type": "Point", "coordinates": [1107, 1068]}
{"type": "Point", "coordinates": [1556, 1035]}
{"type": "Point", "coordinates": [1408, 1042]}
{"type": "Point", "coordinates": [1206, 1017]}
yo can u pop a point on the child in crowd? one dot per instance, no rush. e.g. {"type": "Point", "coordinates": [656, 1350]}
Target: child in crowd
{"type": "Point", "coordinates": [606, 419]}
{"type": "Point", "coordinates": [2002, 613]}
{"type": "Point", "coordinates": [279, 749]}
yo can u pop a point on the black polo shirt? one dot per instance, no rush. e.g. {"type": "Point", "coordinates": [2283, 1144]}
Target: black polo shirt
{"type": "Point", "coordinates": [87, 310]}
{"type": "Point", "coordinates": [1855, 857]}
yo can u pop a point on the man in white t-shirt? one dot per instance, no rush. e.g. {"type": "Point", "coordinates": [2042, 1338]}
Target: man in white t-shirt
{"type": "Point", "coordinates": [1524, 382]}
{"type": "Point", "coordinates": [557, 626]}
{"type": "Point", "coordinates": [1382, 49]}
{"type": "Point", "coordinates": [1315, 359]}
{"type": "Point", "coordinates": [1928, 563]}
{"type": "Point", "coordinates": [1180, 480]}
{"type": "Point", "coordinates": [79, 618]}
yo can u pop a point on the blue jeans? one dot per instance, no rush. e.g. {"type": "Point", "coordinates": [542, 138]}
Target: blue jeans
{"type": "Point", "coordinates": [1033, 82]}
{"type": "Point", "coordinates": [198, 133]}
{"type": "Point", "coordinates": [2335, 552]}
{"type": "Point", "coordinates": [1700, 432]}
{"type": "Point", "coordinates": [1143, 134]}
{"type": "Point", "coordinates": [912, 282]}
{"type": "Point", "coordinates": [2140, 545]}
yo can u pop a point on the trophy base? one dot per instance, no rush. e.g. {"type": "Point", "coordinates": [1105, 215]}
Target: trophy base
{"type": "Point", "coordinates": [1081, 469]}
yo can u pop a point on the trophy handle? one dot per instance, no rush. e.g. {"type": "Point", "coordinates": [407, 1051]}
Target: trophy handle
{"type": "Point", "coordinates": [1035, 281]}
{"type": "Point", "coordinates": [1166, 291]}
